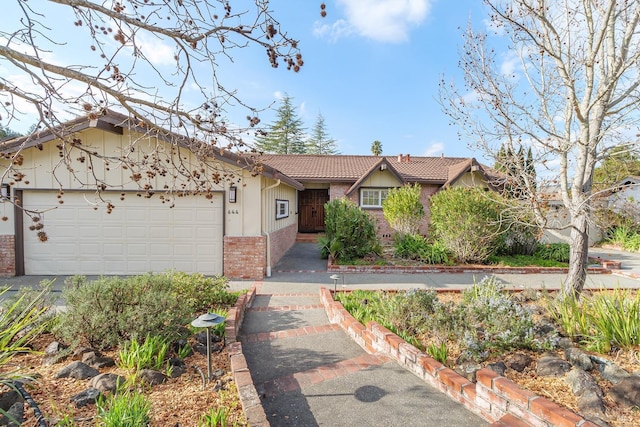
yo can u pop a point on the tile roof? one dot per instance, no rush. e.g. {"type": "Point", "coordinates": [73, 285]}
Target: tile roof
{"type": "Point", "coordinates": [350, 168]}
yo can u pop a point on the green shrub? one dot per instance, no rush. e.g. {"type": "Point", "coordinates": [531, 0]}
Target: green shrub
{"type": "Point", "coordinates": [559, 252]}
{"type": "Point", "coordinates": [467, 222]}
{"type": "Point", "coordinates": [350, 232]}
{"type": "Point", "coordinates": [416, 247]}
{"type": "Point", "coordinates": [128, 409]}
{"type": "Point", "coordinates": [113, 310]}
{"type": "Point", "coordinates": [403, 209]}
{"type": "Point", "coordinates": [200, 292]}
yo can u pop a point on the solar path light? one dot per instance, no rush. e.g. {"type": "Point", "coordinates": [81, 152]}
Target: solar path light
{"type": "Point", "coordinates": [335, 279]}
{"type": "Point", "coordinates": [208, 320]}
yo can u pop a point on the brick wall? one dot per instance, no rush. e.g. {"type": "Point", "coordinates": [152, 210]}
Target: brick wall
{"type": "Point", "coordinates": [281, 241]}
{"type": "Point", "coordinates": [493, 397]}
{"type": "Point", "coordinates": [245, 257]}
{"type": "Point", "coordinates": [7, 256]}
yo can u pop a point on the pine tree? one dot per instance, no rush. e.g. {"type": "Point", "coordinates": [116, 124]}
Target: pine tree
{"type": "Point", "coordinates": [286, 134]}
{"type": "Point", "coordinates": [319, 142]}
{"type": "Point", "coordinates": [376, 148]}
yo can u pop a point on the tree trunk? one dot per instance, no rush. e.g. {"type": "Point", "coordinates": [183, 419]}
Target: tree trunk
{"type": "Point", "coordinates": [579, 257]}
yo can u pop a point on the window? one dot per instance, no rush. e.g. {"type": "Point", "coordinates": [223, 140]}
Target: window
{"type": "Point", "coordinates": [373, 198]}
{"type": "Point", "coordinates": [282, 209]}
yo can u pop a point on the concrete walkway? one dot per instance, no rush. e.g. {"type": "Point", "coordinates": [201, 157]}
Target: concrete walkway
{"type": "Point", "coordinates": [308, 372]}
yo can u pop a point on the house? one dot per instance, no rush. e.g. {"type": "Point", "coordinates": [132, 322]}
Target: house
{"type": "Point", "coordinates": [625, 194]}
{"type": "Point", "coordinates": [170, 202]}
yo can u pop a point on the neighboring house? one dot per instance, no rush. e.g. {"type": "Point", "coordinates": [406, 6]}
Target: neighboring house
{"type": "Point", "coordinates": [625, 193]}
{"type": "Point", "coordinates": [239, 227]}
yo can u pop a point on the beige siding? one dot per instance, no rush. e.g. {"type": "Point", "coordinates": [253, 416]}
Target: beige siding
{"type": "Point", "coordinates": [280, 192]}
{"type": "Point", "coordinates": [470, 179]}
{"type": "Point", "coordinates": [382, 179]}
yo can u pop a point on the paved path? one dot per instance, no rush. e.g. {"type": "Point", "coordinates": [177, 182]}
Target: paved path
{"type": "Point", "coordinates": [310, 373]}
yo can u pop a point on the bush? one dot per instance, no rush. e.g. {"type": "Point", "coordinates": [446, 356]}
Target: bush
{"type": "Point", "coordinates": [350, 232]}
{"type": "Point", "coordinates": [112, 310]}
{"type": "Point", "coordinates": [559, 252]}
{"type": "Point", "coordinates": [201, 293]}
{"type": "Point", "coordinates": [403, 209]}
{"type": "Point", "coordinates": [416, 247]}
{"type": "Point", "coordinates": [467, 222]}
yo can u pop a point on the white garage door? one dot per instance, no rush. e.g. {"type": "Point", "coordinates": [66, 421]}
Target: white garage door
{"type": "Point", "coordinates": [139, 236]}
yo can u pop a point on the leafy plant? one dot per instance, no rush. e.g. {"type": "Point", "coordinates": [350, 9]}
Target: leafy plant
{"type": "Point", "coordinates": [438, 351]}
{"type": "Point", "coordinates": [467, 222]}
{"type": "Point", "coordinates": [559, 252]}
{"type": "Point", "coordinates": [148, 355]}
{"type": "Point", "coordinates": [403, 209]}
{"type": "Point", "coordinates": [216, 417]}
{"type": "Point", "coordinates": [126, 409]}
{"type": "Point", "coordinates": [350, 232]}
{"type": "Point", "coordinates": [200, 292]}
{"type": "Point", "coordinates": [602, 321]}
{"type": "Point", "coordinates": [21, 320]}
{"type": "Point", "coordinates": [416, 247]}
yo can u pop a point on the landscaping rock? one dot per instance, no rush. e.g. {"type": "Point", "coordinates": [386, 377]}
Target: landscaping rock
{"type": "Point", "coordinates": [543, 328]}
{"type": "Point", "coordinates": [579, 358]}
{"type": "Point", "coordinates": [217, 373]}
{"type": "Point", "coordinates": [98, 362]}
{"type": "Point", "coordinates": [468, 370]}
{"type": "Point", "coordinates": [79, 352]}
{"type": "Point", "coordinates": [10, 398]}
{"type": "Point", "coordinates": [518, 361]}
{"type": "Point", "coordinates": [627, 391]}
{"type": "Point", "coordinates": [612, 372]}
{"type": "Point", "coordinates": [87, 397]}
{"type": "Point", "coordinates": [54, 353]}
{"type": "Point", "coordinates": [499, 368]}
{"type": "Point", "coordinates": [14, 416]}
{"type": "Point", "coordinates": [201, 337]}
{"type": "Point", "coordinates": [77, 370]}
{"type": "Point", "coordinates": [552, 366]}
{"type": "Point", "coordinates": [106, 382]}
{"type": "Point", "coordinates": [178, 367]}
{"type": "Point", "coordinates": [152, 377]}
{"type": "Point", "coordinates": [589, 394]}
{"type": "Point", "coordinates": [565, 342]}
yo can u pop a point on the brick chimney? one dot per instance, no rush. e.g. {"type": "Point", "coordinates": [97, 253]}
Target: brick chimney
{"type": "Point", "coordinates": [399, 158]}
{"type": "Point", "coordinates": [408, 158]}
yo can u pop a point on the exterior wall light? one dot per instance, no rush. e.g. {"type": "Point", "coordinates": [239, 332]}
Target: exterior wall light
{"type": "Point", "coordinates": [233, 191]}
{"type": "Point", "coordinates": [5, 192]}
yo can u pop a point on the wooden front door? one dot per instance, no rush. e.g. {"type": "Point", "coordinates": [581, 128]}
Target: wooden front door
{"type": "Point", "coordinates": [311, 208]}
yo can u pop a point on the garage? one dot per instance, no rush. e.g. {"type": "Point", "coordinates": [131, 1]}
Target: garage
{"type": "Point", "coordinates": [139, 236]}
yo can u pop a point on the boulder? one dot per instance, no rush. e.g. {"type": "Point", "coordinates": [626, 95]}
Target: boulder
{"type": "Point", "coordinates": [86, 397]}
{"type": "Point", "coordinates": [627, 391]}
{"type": "Point", "coordinates": [96, 361]}
{"type": "Point", "coordinates": [518, 361]}
{"type": "Point", "coordinates": [106, 382]}
{"type": "Point", "coordinates": [578, 358]}
{"type": "Point", "coordinates": [10, 398]}
{"type": "Point", "coordinates": [589, 394]}
{"type": "Point", "coordinates": [499, 367]}
{"type": "Point", "coordinates": [14, 416]}
{"type": "Point", "coordinates": [552, 366]}
{"type": "Point", "coordinates": [77, 370]}
{"type": "Point", "coordinates": [152, 377]}
{"type": "Point", "coordinates": [612, 372]}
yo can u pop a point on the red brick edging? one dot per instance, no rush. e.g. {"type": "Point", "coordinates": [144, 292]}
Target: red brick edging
{"type": "Point", "coordinates": [493, 397]}
{"type": "Point", "coordinates": [606, 267]}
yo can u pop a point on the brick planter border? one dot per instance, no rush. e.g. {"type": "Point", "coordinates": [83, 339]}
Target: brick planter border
{"type": "Point", "coordinates": [495, 398]}
{"type": "Point", "coordinates": [606, 267]}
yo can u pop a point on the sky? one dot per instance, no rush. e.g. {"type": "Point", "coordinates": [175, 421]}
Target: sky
{"type": "Point", "coordinates": [371, 68]}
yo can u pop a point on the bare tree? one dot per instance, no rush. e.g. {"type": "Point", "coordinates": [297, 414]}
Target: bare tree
{"type": "Point", "coordinates": [566, 83]}
{"type": "Point", "coordinates": [66, 58]}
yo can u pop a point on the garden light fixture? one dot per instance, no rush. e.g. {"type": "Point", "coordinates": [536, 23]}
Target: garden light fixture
{"type": "Point", "coordinates": [208, 320]}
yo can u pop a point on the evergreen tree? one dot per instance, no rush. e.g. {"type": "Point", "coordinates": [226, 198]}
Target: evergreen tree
{"type": "Point", "coordinates": [619, 164]}
{"type": "Point", "coordinates": [286, 134]}
{"type": "Point", "coordinates": [7, 133]}
{"type": "Point", "coordinates": [376, 148]}
{"type": "Point", "coordinates": [320, 142]}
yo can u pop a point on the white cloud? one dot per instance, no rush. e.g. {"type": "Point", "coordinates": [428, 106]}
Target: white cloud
{"type": "Point", "coordinates": [380, 20]}
{"type": "Point", "coordinates": [435, 149]}
{"type": "Point", "coordinates": [155, 50]}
